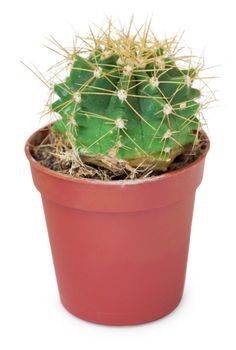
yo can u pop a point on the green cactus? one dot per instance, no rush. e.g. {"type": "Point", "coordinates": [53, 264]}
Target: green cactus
{"type": "Point", "coordinates": [128, 100]}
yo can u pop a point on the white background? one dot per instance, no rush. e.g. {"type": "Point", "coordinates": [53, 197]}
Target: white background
{"type": "Point", "coordinates": [30, 313]}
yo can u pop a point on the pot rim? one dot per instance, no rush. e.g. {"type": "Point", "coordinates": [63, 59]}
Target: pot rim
{"type": "Point", "coordinates": [58, 175]}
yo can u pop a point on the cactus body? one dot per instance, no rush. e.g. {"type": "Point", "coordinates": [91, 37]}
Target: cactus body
{"type": "Point", "coordinates": [128, 104]}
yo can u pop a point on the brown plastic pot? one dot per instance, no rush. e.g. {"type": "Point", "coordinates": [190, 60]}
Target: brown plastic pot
{"type": "Point", "coordinates": [119, 248]}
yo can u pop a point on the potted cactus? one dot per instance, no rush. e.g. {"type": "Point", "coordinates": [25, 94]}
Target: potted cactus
{"type": "Point", "coordinates": [117, 171]}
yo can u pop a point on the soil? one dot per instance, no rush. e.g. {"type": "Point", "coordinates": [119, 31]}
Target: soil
{"type": "Point", "coordinates": [55, 154]}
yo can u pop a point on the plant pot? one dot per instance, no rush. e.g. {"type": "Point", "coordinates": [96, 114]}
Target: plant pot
{"type": "Point", "coordinates": [119, 248]}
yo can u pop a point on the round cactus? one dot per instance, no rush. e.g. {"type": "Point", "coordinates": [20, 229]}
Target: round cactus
{"type": "Point", "coordinates": [128, 99]}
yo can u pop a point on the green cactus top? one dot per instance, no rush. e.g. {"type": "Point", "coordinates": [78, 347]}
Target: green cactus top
{"type": "Point", "coordinates": [128, 99]}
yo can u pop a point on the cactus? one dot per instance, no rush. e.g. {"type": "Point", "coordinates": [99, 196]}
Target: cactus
{"type": "Point", "coordinates": [128, 99]}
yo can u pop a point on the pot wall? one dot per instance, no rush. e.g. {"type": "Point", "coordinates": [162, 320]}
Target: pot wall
{"type": "Point", "coordinates": [120, 268]}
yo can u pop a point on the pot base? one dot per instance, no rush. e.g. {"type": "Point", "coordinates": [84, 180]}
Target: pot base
{"type": "Point", "coordinates": [128, 319]}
